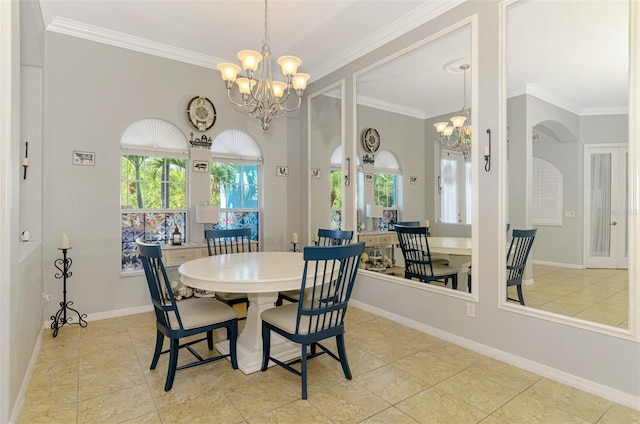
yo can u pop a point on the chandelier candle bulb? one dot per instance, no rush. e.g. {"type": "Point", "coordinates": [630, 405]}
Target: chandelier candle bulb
{"type": "Point", "coordinates": [486, 151]}
{"type": "Point", "coordinates": [65, 241]}
{"type": "Point", "coordinates": [294, 238]}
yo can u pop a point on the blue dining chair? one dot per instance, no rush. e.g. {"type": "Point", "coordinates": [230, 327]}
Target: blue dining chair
{"type": "Point", "coordinates": [469, 271]}
{"type": "Point", "coordinates": [223, 242]}
{"type": "Point", "coordinates": [184, 319]}
{"type": "Point", "coordinates": [417, 258]}
{"type": "Point", "coordinates": [325, 238]}
{"type": "Point", "coordinates": [320, 314]}
{"type": "Point", "coordinates": [519, 249]}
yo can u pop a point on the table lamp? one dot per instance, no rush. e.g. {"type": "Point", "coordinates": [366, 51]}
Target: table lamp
{"type": "Point", "coordinates": [207, 214]}
{"type": "Point", "coordinates": [375, 212]}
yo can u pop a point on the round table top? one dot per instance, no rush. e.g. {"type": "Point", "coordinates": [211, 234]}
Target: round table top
{"type": "Point", "coordinates": [251, 272]}
{"type": "Point", "coordinates": [450, 245]}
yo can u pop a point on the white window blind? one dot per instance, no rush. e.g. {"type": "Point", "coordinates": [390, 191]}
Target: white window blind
{"type": "Point", "coordinates": [546, 193]}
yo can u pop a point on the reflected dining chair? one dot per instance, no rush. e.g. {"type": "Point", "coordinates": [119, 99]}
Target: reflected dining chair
{"type": "Point", "coordinates": [325, 238]}
{"type": "Point", "coordinates": [184, 319]}
{"type": "Point", "coordinates": [417, 258]}
{"type": "Point", "coordinates": [519, 249]}
{"type": "Point", "coordinates": [222, 242]}
{"type": "Point", "coordinates": [469, 271]}
{"type": "Point", "coordinates": [320, 314]}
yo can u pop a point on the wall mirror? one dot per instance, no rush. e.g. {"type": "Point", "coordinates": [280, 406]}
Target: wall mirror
{"type": "Point", "coordinates": [407, 173]}
{"type": "Point", "coordinates": [326, 119]}
{"type": "Point", "coordinates": [567, 134]}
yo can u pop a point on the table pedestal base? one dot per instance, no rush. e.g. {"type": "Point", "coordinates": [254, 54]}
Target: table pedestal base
{"type": "Point", "coordinates": [249, 346]}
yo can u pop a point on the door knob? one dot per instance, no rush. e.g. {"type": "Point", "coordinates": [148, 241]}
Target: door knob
{"type": "Point", "coordinates": [614, 223]}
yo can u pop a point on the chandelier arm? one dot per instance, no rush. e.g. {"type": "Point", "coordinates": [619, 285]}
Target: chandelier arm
{"type": "Point", "coordinates": [242, 105]}
{"type": "Point", "coordinates": [295, 108]}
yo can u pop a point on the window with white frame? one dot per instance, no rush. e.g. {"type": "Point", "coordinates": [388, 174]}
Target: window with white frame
{"type": "Point", "coordinates": [385, 170]}
{"type": "Point", "coordinates": [454, 188]}
{"type": "Point", "coordinates": [336, 188]}
{"type": "Point", "coordinates": [153, 186]}
{"type": "Point", "coordinates": [236, 159]}
{"type": "Point", "coordinates": [546, 196]}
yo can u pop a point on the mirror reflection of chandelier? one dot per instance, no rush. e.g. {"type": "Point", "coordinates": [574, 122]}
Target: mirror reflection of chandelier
{"type": "Point", "coordinates": [262, 97]}
{"type": "Point", "coordinates": [457, 136]}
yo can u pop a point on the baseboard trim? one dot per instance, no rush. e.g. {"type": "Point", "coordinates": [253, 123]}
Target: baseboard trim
{"type": "Point", "coordinates": [580, 383]}
{"type": "Point", "coordinates": [112, 314]}
{"type": "Point", "coordinates": [17, 406]}
{"type": "Point", "coordinates": [558, 264]}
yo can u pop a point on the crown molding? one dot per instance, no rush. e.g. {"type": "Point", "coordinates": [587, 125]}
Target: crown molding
{"type": "Point", "coordinates": [397, 28]}
{"type": "Point", "coordinates": [390, 107]}
{"type": "Point", "coordinates": [390, 32]}
{"type": "Point", "coordinates": [547, 96]}
{"type": "Point", "coordinates": [126, 41]}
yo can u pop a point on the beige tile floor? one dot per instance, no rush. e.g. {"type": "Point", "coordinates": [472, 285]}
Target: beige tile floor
{"type": "Point", "coordinates": [598, 295]}
{"type": "Point", "coordinates": [100, 374]}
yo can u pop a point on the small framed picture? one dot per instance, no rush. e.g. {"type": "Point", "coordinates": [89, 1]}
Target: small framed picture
{"type": "Point", "coordinates": [413, 180]}
{"type": "Point", "coordinates": [282, 171]}
{"type": "Point", "coordinates": [368, 178]}
{"type": "Point", "coordinates": [200, 166]}
{"type": "Point", "coordinates": [315, 173]}
{"type": "Point", "coordinates": [84, 158]}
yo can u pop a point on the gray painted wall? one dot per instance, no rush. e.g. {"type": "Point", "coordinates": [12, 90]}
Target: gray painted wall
{"type": "Point", "coordinates": [581, 353]}
{"type": "Point", "coordinates": [93, 92]}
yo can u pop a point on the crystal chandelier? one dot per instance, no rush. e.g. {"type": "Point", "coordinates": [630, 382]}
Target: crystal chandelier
{"type": "Point", "coordinates": [262, 97]}
{"type": "Point", "coordinates": [457, 136]}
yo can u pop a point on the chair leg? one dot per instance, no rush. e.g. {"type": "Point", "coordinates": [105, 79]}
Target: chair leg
{"type": "Point", "coordinates": [342, 352]}
{"type": "Point", "coordinates": [210, 339]}
{"type": "Point", "coordinates": [454, 281]}
{"type": "Point", "coordinates": [232, 330]}
{"type": "Point", "coordinates": [469, 282]}
{"type": "Point", "coordinates": [520, 297]}
{"type": "Point", "coordinates": [303, 370]}
{"type": "Point", "coordinates": [173, 363]}
{"type": "Point", "coordinates": [158, 351]}
{"type": "Point", "coordinates": [266, 345]}
{"type": "Point", "coordinates": [279, 301]}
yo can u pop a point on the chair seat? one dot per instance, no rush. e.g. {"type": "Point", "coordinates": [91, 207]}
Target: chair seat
{"type": "Point", "coordinates": [285, 317]}
{"type": "Point", "coordinates": [202, 311]}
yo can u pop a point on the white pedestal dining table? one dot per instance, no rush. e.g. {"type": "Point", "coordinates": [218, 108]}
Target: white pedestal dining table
{"type": "Point", "coordinates": [259, 274]}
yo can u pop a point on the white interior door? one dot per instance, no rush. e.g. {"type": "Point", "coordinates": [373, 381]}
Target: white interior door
{"type": "Point", "coordinates": [606, 187]}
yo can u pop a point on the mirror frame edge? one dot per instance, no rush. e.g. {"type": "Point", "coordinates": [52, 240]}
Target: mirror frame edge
{"type": "Point", "coordinates": [472, 21]}
{"type": "Point", "coordinates": [339, 83]}
{"type": "Point", "coordinates": [633, 319]}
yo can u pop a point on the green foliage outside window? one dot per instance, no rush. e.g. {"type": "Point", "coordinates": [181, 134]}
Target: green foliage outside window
{"type": "Point", "coordinates": [336, 189]}
{"type": "Point", "coordinates": [153, 182]}
{"type": "Point", "coordinates": [384, 189]}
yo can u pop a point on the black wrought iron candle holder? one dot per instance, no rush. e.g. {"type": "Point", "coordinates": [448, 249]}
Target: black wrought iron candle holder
{"type": "Point", "coordinates": [60, 318]}
{"type": "Point", "coordinates": [294, 248]}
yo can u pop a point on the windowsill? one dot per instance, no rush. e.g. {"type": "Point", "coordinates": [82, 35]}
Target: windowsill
{"type": "Point", "coordinates": [133, 273]}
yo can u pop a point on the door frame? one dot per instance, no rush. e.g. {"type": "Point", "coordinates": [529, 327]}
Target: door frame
{"type": "Point", "coordinates": [617, 259]}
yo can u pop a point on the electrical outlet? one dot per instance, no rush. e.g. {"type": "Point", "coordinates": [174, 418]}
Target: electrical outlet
{"type": "Point", "coordinates": [471, 309]}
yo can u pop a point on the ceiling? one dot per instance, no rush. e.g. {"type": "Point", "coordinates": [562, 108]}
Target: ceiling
{"type": "Point", "coordinates": [570, 51]}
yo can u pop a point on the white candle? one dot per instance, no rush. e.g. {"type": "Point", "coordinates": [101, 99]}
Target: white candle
{"type": "Point", "coordinates": [25, 162]}
{"type": "Point", "coordinates": [65, 242]}
{"type": "Point", "coordinates": [315, 236]}
{"type": "Point", "coordinates": [486, 151]}
{"type": "Point", "coordinates": [426, 223]}
{"type": "Point", "coordinates": [294, 237]}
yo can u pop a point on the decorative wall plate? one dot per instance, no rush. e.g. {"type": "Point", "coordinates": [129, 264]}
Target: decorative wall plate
{"type": "Point", "coordinates": [371, 140]}
{"type": "Point", "coordinates": [201, 113]}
